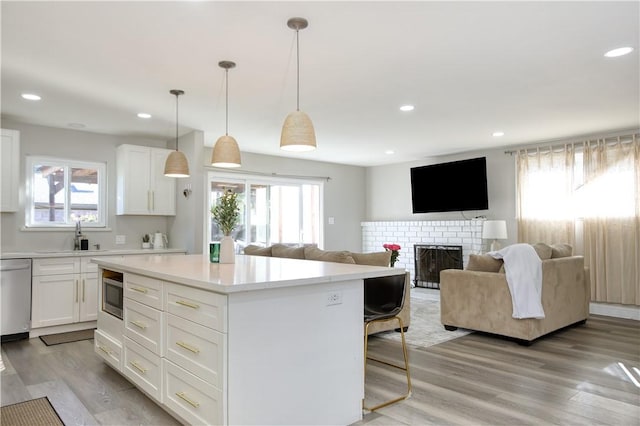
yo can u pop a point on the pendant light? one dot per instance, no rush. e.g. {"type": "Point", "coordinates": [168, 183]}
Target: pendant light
{"type": "Point", "coordinates": [297, 130]}
{"type": "Point", "coordinates": [226, 152]}
{"type": "Point", "coordinates": [176, 164]}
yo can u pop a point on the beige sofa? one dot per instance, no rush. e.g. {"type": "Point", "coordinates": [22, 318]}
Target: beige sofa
{"type": "Point", "coordinates": [481, 300]}
{"type": "Point", "coordinates": [314, 253]}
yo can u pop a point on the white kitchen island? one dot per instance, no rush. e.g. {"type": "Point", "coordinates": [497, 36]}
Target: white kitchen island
{"type": "Point", "coordinates": [262, 341]}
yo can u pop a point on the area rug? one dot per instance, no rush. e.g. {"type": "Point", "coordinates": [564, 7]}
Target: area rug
{"type": "Point", "coordinates": [30, 413]}
{"type": "Point", "coordinates": [425, 329]}
{"type": "Point", "coordinates": [72, 336]}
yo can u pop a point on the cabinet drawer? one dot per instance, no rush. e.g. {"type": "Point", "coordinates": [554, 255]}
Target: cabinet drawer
{"type": "Point", "coordinates": [143, 368]}
{"type": "Point", "coordinates": [191, 398]}
{"type": "Point", "coordinates": [56, 266]}
{"type": "Point", "coordinates": [86, 265]}
{"type": "Point", "coordinates": [109, 349]}
{"type": "Point", "coordinates": [143, 289]}
{"type": "Point", "coordinates": [202, 307]}
{"type": "Point", "coordinates": [198, 349]}
{"type": "Point", "coordinates": [143, 325]}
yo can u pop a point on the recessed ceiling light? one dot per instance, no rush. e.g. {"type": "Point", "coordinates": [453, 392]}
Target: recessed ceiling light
{"type": "Point", "coordinates": [618, 52]}
{"type": "Point", "coordinates": [389, 152]}
{"type": "Point", "coordinates": [31, 97]}
{"type": "Point", "coordinates": [144, 115]}
{"type": "Point", "coordinates": [407, 108]}
{"type": "Point", "coordinates": [76, 125]}
{"type": "Point", "coordinates": [497, 134]}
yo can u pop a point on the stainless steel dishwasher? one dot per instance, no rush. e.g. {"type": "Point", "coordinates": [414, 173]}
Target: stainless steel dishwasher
{"type": "Point", "coordinates": [15, 299]}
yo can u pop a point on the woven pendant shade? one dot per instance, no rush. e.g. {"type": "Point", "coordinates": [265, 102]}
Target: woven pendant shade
{"type": "Point", "coordinates": [176, 165]}
{"type": "Point", "coordinates": [298, 133]}
{"type": "Point", "coordinates": [226, 152]}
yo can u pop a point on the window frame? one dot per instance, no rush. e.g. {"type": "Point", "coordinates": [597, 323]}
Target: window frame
{"type": "Point", "coordinates": [248, 179]}
{"type": "Point", "coordinates": [67, 164]}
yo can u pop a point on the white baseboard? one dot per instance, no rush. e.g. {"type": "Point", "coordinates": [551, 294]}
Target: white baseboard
{"type": "Point", "coordinates": [618, 311]}
{"type": "Point", "coordinates": [43, 331]}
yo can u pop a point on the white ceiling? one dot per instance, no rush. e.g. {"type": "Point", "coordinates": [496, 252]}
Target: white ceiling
{"type": "Point", "coordinates": [534, 70]}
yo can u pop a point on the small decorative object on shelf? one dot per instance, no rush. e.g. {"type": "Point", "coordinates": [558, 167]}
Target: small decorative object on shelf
{"type": "Point", "coordinates": [146, 241]}
{"type": "Point", "coordinates": [225, 213]}
{"type": "Point", "coordinates": [394, 249]}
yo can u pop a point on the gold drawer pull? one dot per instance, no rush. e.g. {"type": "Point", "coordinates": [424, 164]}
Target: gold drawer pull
{"type": "Point", "coordinates": [139, 289]}
{"type": "Point", "coordinates": [138, 367]}
{"type": "Point", "coordinates": [105, 349]}
{"type": "Point", "coordinates": [188, 347]}
{"type": "Point", "coordinates": [189, 400]}
{"type": "Point", "coordinates": [188, 304]}
{"type": "Point", "coordinates": [139, 324]}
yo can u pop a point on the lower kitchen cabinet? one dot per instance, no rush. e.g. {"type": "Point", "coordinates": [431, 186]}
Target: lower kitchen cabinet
{"type": "Point", "coordinates": [64, 291]}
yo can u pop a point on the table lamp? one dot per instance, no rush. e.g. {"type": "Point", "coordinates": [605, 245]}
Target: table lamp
{"type": "Point", "coordinates": [494, 230]}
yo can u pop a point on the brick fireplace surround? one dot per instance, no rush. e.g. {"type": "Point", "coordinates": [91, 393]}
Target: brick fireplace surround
{"type": "Point", "coordinates": [465, 233]}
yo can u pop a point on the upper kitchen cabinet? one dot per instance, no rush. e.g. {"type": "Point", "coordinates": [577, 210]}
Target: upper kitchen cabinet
{"type": "Point", "coordinates": [10, 171]}
{"type": "Point", "coordinates": [142, 187]}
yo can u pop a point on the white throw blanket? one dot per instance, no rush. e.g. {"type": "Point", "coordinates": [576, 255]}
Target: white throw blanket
{"type": "Point", "coordinates": [523, 268]}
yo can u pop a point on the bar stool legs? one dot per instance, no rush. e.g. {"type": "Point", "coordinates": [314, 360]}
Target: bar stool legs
{"type": "Point", "coordinates": [400, 367]}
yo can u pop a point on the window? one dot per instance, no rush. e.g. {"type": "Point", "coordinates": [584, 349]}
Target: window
{"type": "Point", "coordinates": [62, 192]}
{"type": "Point", "coordinates": [272, 210]}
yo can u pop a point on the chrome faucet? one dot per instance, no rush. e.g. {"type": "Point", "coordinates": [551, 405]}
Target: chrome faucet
{"type": "Point", "coordinates": [76, 241]}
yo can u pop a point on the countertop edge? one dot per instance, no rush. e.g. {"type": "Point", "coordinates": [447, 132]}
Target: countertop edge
{"type": "Point", "coordinates": [85, 253]}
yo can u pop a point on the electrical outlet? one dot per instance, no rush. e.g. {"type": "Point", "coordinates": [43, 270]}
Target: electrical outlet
{"type": "Point", "coordinates": [334, 298]}
{"type": "Point", "coordinates": [121, 239]}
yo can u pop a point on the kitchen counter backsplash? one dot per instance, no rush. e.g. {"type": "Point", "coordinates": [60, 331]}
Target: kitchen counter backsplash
{"type": "Point", "coordinates": [71, 253]}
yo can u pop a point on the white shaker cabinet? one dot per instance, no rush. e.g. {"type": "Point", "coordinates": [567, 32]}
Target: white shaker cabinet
{"type": "Point", "coordinates": [10, 170]}
{"type": "Point", "coordinates": [64, 291]}
{"type": "Point", "coordinates": [142, 188]}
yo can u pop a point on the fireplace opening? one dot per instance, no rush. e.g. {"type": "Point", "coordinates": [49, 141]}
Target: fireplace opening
{"type": "Point", "coordinates": [431, 259]}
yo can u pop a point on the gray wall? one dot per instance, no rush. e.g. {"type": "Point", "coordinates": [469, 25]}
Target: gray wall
{"type": "Point", "coordinates": [389, 191]}
{"type": "Point", "coordinates": [73, 144]}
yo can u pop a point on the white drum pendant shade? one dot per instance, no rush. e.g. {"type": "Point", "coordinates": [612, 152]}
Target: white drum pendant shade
{"type": "Point", "coordinates": [176, 165]}
{"type": "Point", "coordinates": [226, 152]}
{"type": "Point", "coordinates": [298, 133]}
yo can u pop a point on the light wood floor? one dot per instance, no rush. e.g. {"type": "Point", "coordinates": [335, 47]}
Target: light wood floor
{"type": "Point", "coordinates": [571, 377]}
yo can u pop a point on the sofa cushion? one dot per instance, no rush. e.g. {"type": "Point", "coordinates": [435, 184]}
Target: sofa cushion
{"type": "Point", "coordinates": [483, 263]}
{"type": "Point", "coordinates": [561, 250]}
{"type": "Point", "coordinates": [314, 253]}
{"type": "Point", "coordinates": [380, 258]}
{"type": "Point", "coordinates": [257, 250]}
{"type": "Point", "coordinates": [543, 250]}
{"type": "Point", "coordinates": [280, 250]}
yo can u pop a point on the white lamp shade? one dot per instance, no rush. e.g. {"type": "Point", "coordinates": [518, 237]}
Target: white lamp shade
{"type": "Point", "coordinates": [494, 230]}
{"type": "Point", "coordinates": [298, 133]}
{"type": "Point", "coordinates": [176, 165]}
{"type": "Point", "coordinates": [226, 152]}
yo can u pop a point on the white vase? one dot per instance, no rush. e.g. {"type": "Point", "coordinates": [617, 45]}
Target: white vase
{"type": "Point", "coordinates": [227, 250]}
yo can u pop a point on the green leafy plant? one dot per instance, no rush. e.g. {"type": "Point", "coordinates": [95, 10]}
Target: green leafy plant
{"type": "Point", "coordinates": [146, 238]}
{"type": "Point", "coordinates": [226, 212]}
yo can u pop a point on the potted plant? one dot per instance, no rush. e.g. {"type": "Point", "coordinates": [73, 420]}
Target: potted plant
{"type": "Point", "coordinates": [146, 243]}
{"type": "Point", "coordinates": [226, 214]}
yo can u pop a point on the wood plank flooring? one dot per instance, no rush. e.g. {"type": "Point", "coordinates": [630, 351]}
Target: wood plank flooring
{"type": "Point", "coordinates": [572, 377]}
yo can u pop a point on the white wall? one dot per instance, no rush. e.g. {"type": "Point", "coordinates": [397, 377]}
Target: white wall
{"type": "Point", "coordinates": [73, 144]}
{"type": "Point", "coordinates": [344, 193]}
{"type": "Point", "coordinates": [388, 194]}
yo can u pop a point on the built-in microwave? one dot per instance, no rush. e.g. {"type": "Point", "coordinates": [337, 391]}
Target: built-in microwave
{"type": "Point", "coordinates": [112, 295]}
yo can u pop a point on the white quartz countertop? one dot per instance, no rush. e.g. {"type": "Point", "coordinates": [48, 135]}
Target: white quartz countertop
{"type": "Point", "coordinates": [248, 273]}
{"type": "Point", "coordinates": [91, 253]}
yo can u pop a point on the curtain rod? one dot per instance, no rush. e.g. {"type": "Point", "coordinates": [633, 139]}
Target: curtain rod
{"type": "Point", "coordinates": [273, 174]}
{"type": "Point", "coordinates": [558, 144]}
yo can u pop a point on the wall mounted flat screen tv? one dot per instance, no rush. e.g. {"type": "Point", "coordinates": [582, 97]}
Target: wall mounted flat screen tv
{"type": "Point", "coordinates": [454, 186]}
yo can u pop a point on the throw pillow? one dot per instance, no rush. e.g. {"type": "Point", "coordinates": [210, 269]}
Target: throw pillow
{"type": "Point", "coordinates": [483, 263]}
{"type": "Point", "coordinates": [280, 250]}
{"type": "Point", "coordinates": [380, 258]}
{"type": "Point", "coordinates": [314, 253]}
{"type": "Point", "coordinates": [257, 250]}
{"type": "Point", "coordinates": [543, 250]}
{"type": "Point", "coordinates": [561, 250]}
